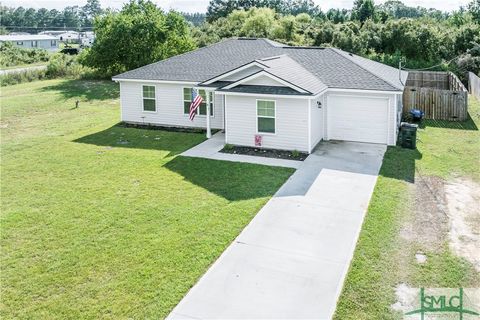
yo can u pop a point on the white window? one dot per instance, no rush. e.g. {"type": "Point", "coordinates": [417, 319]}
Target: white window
{"type": "Point", "coordinates": [19, 43]}
{"type": "Point", "coordinates": [53, 43]}
{"type": "Point", "coordinates": [34, 43]}
{"type": "Point", "coordinates": [202, 110]}
{"type": "Point", "coordinates": [149, 99]}
{"type": "Point", "coordinates": [265, 116]}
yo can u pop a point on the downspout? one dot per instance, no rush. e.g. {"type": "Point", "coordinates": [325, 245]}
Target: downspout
{"type": "Point", "coordinates": [309, 125]}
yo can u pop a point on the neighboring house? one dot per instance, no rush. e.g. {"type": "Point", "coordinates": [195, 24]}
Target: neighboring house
{"type": "Point", "coordinates": [54, 33]}
{"type": "Point", "coordinates": [69, 36]}
{"type": "Point", "coordinates": [263, 91]}
{"type": "Point", "coordinates": [32, 41]}
{"type": "Point", "coordinates": [87, 38]}
{"type": "Point", "coordinates": [19, 33]}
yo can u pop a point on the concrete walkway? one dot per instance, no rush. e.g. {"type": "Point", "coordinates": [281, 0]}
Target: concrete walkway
{"type": "Point", "coordinates": [210, 149]}
{"type": "Point", "coordinates": [291, 260]}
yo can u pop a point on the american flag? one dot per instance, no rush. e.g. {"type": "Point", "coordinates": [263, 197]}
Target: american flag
{"type": "Point", "coordinates": [196, 101]}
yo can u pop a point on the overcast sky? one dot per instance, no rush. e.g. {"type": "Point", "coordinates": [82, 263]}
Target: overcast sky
{"type": "Point", "coordinates": [201, 5]}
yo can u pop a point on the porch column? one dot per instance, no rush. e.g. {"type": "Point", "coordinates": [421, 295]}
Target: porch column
{"type": "Point", "coordinates": [209, 132]}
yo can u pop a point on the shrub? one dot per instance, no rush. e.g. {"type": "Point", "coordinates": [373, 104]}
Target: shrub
{"type": "Point", "coordinates": [228, 147]}
{"type": "Point", "coordinates": [11, 55]}
{"type": "Point", "coordinates": [295, 153]}
{"type": "Point", "coordinates": [64, 65]}
{"type": "Point", "coordinates": [60, 66]}
{"type": "Point", "coordinates": [23, 76]}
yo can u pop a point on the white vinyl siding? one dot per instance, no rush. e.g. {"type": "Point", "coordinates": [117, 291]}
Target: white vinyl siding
{"type": "Point", "coordinates": [263, 81]}
{"type": "Point", "coordinates": [40, 44]}
{"type": "Point", "coordinates": [317, 120]}
{"type": "Point", "coordinates": [149, 103]}
{"type": "Point", "coordinates": [361, 117]}
{"type": "Point", "coordinates": [169, 99]}
{"type": "Point", "coordinates": [241, 74]}
{"type": "Point", "coordinates": [291, 125]}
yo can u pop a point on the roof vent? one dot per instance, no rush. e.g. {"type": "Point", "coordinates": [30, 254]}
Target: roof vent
{"type": "Point", "coordinates": [272, 58]}
{"type": "Point", "coordinates": [315, 48]}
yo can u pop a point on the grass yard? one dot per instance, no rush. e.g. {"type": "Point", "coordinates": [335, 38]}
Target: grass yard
{"type": "Point", "coordinates": [411, 188]}
{"type": "Point", "coordinates": [102, 221]}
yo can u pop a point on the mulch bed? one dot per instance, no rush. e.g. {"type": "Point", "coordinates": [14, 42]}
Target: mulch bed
{"type": "Point", "coordinates": [268, 153]}
{"type": "Point", "coordinates": [164, 128]}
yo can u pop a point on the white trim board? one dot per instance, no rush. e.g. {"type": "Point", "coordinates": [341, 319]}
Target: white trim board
{"type": "Point", "coordinates": [328, 90]}
{"type": "Point", "coordinates": [270, 96]}
{"type": "Point", "coordinates": [233, 71]}
{"type": "Point", "coordinates": [361, 91]}
{"type": "Point", "coordinates": [269, 75]}
{"type": "Point", "coordinates": [154, 81]}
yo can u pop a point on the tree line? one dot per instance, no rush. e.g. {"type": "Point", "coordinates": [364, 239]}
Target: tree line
{"type": "Point", "coordinates": [22, 19]}
{"type": "Point", "coordinates": [362, 9]}
{"type": "Point", "coordinates": [391, 32]}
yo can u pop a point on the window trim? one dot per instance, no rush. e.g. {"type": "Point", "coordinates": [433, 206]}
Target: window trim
{"type": "Point", "coordinates": [19, 43]}
{"type": "Point", "coordinates": [154, 99]}
{"type": "Point", "coordinates": [212, 103]}
{"type": "Point", "coordinates": [35, 42]}
{"type": "Point", "coordinates": [53, 43]}
{"type": "Point", "coordinates": [274, 118]}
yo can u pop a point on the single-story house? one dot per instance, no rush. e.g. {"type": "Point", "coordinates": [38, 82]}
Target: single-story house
{"type": "Point", "coordinates": [54, 33]}
{"type": "Point", "coordinates": [87, 38]}
{"type": "Point", "coordinates": [32, 41]}
{"type": "Point", "coordinates": [264, 93]}
{"type": "Point", "coordinates": [69, 36]}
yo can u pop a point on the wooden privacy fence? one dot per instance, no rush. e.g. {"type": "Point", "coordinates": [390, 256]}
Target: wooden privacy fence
{"type": "Point", "coordinates": [440, 95]}
{"type": "Point", "coordinates": [474, 84]}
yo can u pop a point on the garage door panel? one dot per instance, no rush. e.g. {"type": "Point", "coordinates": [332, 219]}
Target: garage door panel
{"type": "Point", "coordinates": [354, 118]}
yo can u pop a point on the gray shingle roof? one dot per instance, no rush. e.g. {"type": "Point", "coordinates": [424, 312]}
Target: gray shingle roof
{"type": "Point", "coordinates": [26, 37]}
{"type": "Point", "coordinates": [391, 75]}
{"type": "Point", "coordinates": [332, 67]}
{"type": "Point", "coordinates": [288, 69]}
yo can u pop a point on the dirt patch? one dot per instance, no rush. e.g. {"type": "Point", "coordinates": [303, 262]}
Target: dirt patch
{"type": "Point", "coordinates": [429, 222]}
{"type": "Point", "coordinates": [405, 297]}
{"type": "Point", "coordinates": [463, 201]}
{"type": "Point", "coordinates": [446, 211]}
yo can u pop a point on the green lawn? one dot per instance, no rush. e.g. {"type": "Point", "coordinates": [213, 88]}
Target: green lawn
{"type": "Point", "coordinates": [383, 259]}
{"type": "Point", "coordinates": [102, 221]}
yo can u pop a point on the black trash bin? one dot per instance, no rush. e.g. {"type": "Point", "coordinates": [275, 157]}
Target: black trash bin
{"type": "Point", "coordinates": [408, 135]}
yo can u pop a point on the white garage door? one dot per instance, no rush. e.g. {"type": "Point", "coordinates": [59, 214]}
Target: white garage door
{"type": "Point", "coordinates": [360, 119]}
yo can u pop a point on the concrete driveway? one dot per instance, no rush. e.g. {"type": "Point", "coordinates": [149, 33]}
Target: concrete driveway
{"type": "Point", "coordinates": [291, 260]}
